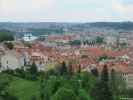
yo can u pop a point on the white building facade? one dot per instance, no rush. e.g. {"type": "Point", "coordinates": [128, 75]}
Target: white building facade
{"type": "Point", "coordinates": [11, 61]}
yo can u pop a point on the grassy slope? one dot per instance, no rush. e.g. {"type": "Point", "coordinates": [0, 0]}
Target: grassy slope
{"type": "Point", "coordinates": [24, 89]}
{"type": "Point", "coordinates": [21, 88]}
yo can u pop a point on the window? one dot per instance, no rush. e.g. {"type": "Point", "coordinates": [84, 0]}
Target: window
{"type": "Point", "coordinates": [7, 62]}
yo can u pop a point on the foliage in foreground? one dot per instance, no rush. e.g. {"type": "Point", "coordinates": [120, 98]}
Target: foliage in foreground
{"type": "Point", "coordinates": [76, 87]}
{"type": "Point", "coordinates": [60, 84]}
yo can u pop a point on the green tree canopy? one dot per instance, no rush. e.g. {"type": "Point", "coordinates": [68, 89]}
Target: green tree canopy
{"type": "Point", "coordinates": [99, 40]}
{"type": "Point", "coordinates": [9, 45]}
{"type": "Point", "coordinates": [6, 36]}
{"type": "Point", "coordinates": [64, 94]}
{"type": "Point", "coordinates": [75, 42]}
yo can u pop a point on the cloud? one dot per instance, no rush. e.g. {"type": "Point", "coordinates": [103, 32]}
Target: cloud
{"type": "Point", "coordinates": [65, 10]}
{"type": "Point", "coordinates": [24, 5]}
{"type": "Point", "coordinates": [124, 9]}
{"type": "Point", "coordinates": [24, 9]}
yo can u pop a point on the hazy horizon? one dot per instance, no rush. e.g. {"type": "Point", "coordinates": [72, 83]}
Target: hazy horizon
{"type": "Point", "coordinates": [126, 21]}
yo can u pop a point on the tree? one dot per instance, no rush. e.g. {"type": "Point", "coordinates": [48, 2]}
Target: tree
{"type": "Point", "coordinates": [4, 83]}
{"type": "Point", "coordinates": [117, 85]}
{"type": "Point", "coordinates": [102, 91]}
{"type": "Point", "coordinates": [101, 58]}
{"type": "Point", "coordinates": [64, 87]}
{"type": "Point", "coordinates": [49, 87]}
{"type": "Point", "coordinates": [9, 45]}
{"type": "Point", "coordinates": [95, 72]}
{"type": "Point", "coordinates": [32, 72]}
{"type": "Point", "coordinates": [64, 94]}
{"type": "Point", "coordinates": [99, 40]}
{"type": "Point", "coordinates": [70, 69]}
{"type": "Point", "coordinates": [6, 36]}
{"type": "Point", "coordinates": [75, 42]}
{"type": "Point", "coordinates": [7, 96]}
{"type": "Point", "coordinates": [83, 95]}
{"type": "Point", "coordinates": [79, 68]}
{"type": "Point", "coordinates": [105, 75]}
{"type": "Point", "coordinates": [33, 69]}
{"type": "Point", "coordinates": [33, 97]}
{"type": "Point", "coordinates": [19, 73]}
{"type": "Point", "coordinates": [113, 82]}
{"type": "Point", "coordinates": [63, 69]}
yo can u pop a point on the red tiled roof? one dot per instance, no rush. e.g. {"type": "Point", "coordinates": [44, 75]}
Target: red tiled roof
{"type": "Point", "coordinates": [94, 51]}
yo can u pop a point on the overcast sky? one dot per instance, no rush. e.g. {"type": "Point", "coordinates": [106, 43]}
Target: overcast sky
{"type": "Point", "coordinates": [66, 10]}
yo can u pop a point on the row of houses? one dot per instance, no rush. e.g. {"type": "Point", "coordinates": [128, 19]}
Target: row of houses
{"type": "Point", "coordinates": [86, 58]}
{"type": "Point", "coordinates": [21, 56]}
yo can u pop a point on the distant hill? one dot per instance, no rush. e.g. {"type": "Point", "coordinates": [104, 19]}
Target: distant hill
{"type": "Point", "coordinates": [52, 27]}
{"type": "Point", "coordinates": [113, 25]}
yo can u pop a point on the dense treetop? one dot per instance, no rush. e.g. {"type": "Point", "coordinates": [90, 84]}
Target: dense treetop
{"type": "Point", "coordinates": [6, 35]}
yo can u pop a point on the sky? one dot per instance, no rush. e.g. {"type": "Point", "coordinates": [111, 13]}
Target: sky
{"type": "Point", "coordinates": [65, 10]}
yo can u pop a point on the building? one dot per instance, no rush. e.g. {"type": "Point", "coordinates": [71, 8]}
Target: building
{"type": "Point", "coordinates": [11, 60]}
{"type": "Point", "coordinates": [39, 59]}
{"type": "Point", "coordinates": [29, 37]}
{"type": "Point", "coordinates": [127, 76]}
{"type": "Point", "coordinates": [110, 40]}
